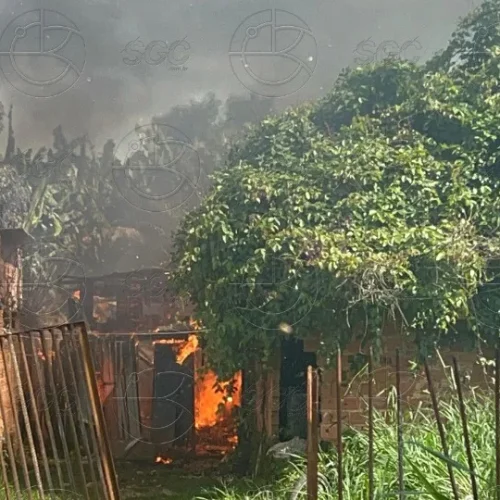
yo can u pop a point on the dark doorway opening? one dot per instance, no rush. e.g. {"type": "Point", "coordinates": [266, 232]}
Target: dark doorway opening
{"type": "Point", "coordinates": [293, 388]}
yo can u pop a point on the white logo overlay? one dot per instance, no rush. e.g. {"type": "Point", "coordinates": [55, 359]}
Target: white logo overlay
{"type": "Point", "coordinates": [42, 53]}
{"type": "Point", "coordinates": [266, 311]}
{"type": "Point", "coordinates": [45, 294]}
{"type": "Point", "coordinates": [273, 53]}
{"type": "Point", "coordinates": [160, 170]}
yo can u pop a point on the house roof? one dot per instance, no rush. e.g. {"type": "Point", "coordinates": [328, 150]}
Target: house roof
{"type": "Point", "coordinates": [117, 276]}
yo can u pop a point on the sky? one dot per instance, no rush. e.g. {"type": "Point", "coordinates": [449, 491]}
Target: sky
{"type": "Point", "coordinates": [115, 82]}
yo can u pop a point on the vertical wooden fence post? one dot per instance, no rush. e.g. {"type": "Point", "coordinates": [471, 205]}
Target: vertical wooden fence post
{"type": "Point", "coordinates": [497, 420]}
{"type": "Point", "coordinates": [371, 485]}
{"type": "Point", "coordinates": [399, 407]}
{"type": "Point", "coordinates": [312, 433]}
{"type": "Point", "coordinates": [108, 466]}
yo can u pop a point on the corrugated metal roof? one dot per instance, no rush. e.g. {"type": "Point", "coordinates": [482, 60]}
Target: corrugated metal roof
{"type": "Point", "coordinates": [16, 233]}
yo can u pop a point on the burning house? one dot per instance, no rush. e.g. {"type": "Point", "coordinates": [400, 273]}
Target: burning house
{"type": "Point", "coordinates": [158, 399]}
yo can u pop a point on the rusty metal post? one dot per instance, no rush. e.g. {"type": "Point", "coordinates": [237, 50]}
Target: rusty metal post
{"type": "Point", "coordinates": [338, 380]}
{"type": "Point", "coordinates": [441, 430]}
{"type": "Point", "coordinates": [312, 434]}
{"type": "Point", "coordinates": [104, 447]}
{"type": "Point", "coordinates": [48, 355]}
{"type": "Point", "coordinates": [65, 394]}
{"type": "Point", "coordinates": [79, 408]}
{"type": "Point", "coordinates": [399, 409]}
{"type": "Point", "coordinates": [497, 420]}
{"type": "Point", "coordinates": [80, 371]}
{"type": "Point", "coordinates": [456, 373]}
{"type": "Point", "coordinates": [371, 482]}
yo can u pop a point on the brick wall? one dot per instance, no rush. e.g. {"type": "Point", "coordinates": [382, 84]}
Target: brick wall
{"type": "Point", "coordinates": [267, 401]}
{"type": "Point", "coordinates": [413, 381]}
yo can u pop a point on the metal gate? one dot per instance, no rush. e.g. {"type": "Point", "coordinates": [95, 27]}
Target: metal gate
{"type": "Point", "coordinates": [53, 437]}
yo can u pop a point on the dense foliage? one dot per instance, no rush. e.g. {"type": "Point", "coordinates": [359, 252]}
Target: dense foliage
{"type": "Point", "coordinates": [382, 198]}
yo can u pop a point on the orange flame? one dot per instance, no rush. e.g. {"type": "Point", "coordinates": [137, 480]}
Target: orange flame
{"type": "Point", "coordinates": [163, 460]}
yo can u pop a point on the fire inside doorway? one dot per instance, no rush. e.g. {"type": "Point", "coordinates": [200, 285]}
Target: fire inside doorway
{"type": "Point", "coordinates": [159, 401]}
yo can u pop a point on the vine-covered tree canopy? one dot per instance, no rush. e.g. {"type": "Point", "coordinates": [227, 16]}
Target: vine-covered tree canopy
{"type": "Point", "coordinates": [382, 197]}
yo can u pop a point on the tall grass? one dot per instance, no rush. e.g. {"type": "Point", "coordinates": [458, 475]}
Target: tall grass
{"type": "Point", "coordinates": [426, 473]}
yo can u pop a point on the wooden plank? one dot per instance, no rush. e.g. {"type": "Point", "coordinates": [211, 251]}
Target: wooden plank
{"type": "Point", "coordinates": [312, 433]}
{"type": "Point", "coordinates": [268, 406]}
{"type": "Point", "coordinates": [166, 382]}
{"type": "Point", "coordinates": [110, 408]}
{"type": "Point", "coordinates": [123, 385]}
{"type": "Point", "coordinates": [132, 393]}
{"type": "Point", "coordinates": [145, 382]}
{"type": "Point", "coordinates": [259, 403]}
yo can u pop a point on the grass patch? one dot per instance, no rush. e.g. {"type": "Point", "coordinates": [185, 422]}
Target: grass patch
{"type": "Point", "coordinates": [426, 473]}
